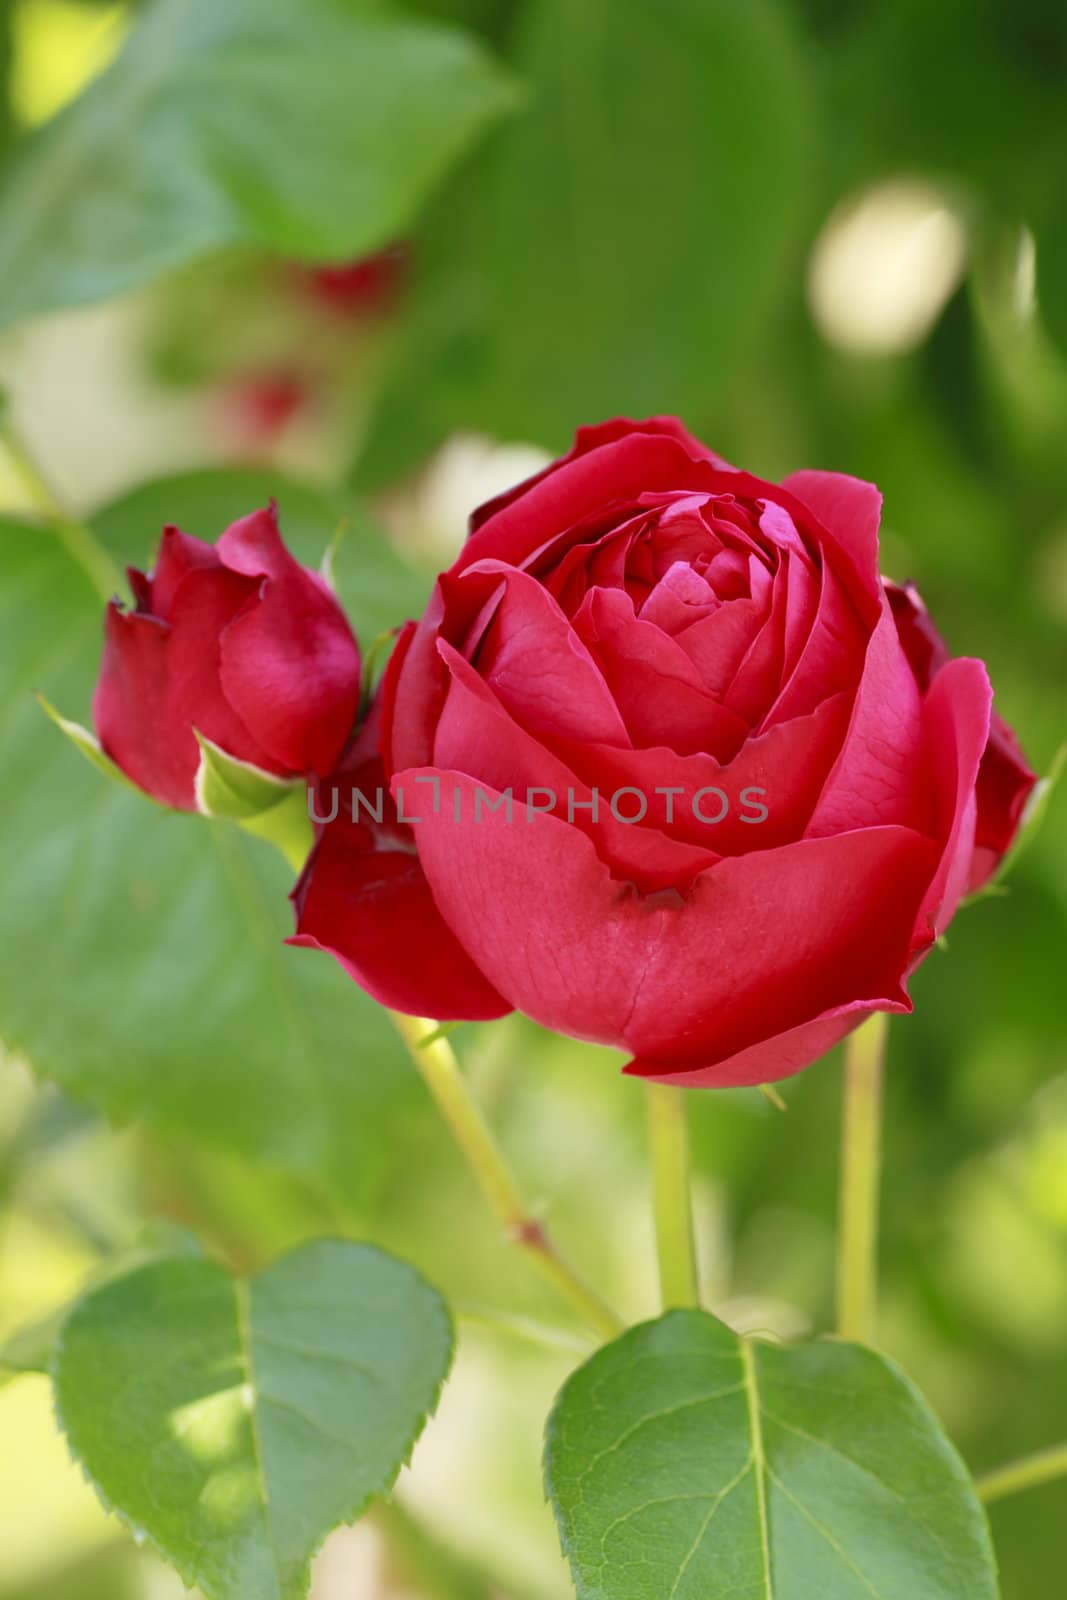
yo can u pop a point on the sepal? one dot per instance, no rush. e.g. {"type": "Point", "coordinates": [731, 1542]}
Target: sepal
{"type": "Point", "coordinates": [85, 741]}
{"type": "Point", "coordinates": [226, 787]}
{"type": "Point", "coordinates": [287, 827]}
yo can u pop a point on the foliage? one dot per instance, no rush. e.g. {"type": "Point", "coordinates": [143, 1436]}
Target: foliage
{"type": "Point", "coordinates": [685, 1461]}
{"type": "Point", "coordinates": [608, 208]}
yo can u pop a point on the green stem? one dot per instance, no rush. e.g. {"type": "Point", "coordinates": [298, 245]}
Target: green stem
{"type": "Point", "coordinates": [672, 1199]}
{"type": "Point", "coordinates": [861, 1128]}
{"type": "Point", "coordinates": [76, 537]}
{"type": "Point", "coordinates": [437, 1064]}
{"type": "Point", "coordinates": [1044, 1466]}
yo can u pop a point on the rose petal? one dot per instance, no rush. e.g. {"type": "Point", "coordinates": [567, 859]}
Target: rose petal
{"type": "Point", "coordinates": [178, 555]}
{"type": "Point", "coordinates": [832, 656]}
{"type": "Point", "coordinates": [956, 714]}
{"type": "Point", "coordinates": [850, 510]}
{"type": "Point", "coordinates": [653, 682]}
{"type": "Point", "coordinates": [289, 663]}
{"type": "Point", "coordinates": [680, 599]}
{"type": "Point", "coordinates": [130, 704]}
{"type": "Point", "coordinates": [755, 685]}
{"type": "Point", "coordinates": [1005, 777]}
{"type": "Point", "coordinates": [596, 437]}
{"type": "Point", "coordinates": [364, 899]}
{"type": "Point", "coordinates": [539, 667]}
{"type": "Point", "coordinates": [476, 736]}
{"type": "Point", "coordinates": [160, 681]}
{"type": "Point", "coordinates": [717, 644]}
{"type": "Point", "coordinates": [1005, 782]}
{"type": "Point", "coordinates": [254, 545]}
{"type": "Point", "coordinates": [881, 774]}
{"type": "Point", "coordinates": [783, 770]}
{"type": "Point", "coordinates": [545, 510]}
{"type": "Point", "coordinates": [760, 943]}
{"type": "Point", "coordinates": [772, 1059]}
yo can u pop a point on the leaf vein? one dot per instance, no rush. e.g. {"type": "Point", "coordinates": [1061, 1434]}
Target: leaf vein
{"type": "Point", "coordinates": [654, 1416]}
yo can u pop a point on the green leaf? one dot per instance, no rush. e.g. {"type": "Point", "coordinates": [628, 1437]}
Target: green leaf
{"type": "Point", "coordinates": [235, 1423]}
{"type": "Point", "coordinates": [313, 128]}
{"type": "Point", "coordinates": [890, 60]}
{"type": "Point", "coordinates": [226, 787]}
{"type": "Point", "coordinates": [1051, 262]}
{"type": "Point", "coordinates": [142, 964]}
{"type": "Point", "coordinates": [686, 1463]}
{"type": "Point", "coordinates": [625, 240]}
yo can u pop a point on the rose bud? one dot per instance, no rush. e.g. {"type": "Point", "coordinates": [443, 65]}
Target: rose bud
{"type": "Point", "coordinates": [233, 647]}
{"type": "Point", "coordinates": [768, 787]}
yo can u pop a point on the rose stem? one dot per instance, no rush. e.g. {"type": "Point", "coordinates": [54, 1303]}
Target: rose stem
{"type": "Point", "coordinates": [1027, 1473]}
{"type": "Point", "coordinates": [440, 1072]}
{"type": "Point", "coordinates": [861, 1127]}
{"type": "Point", "coordinates": [668, 1135]}
{"type": "Point", "coordinates": [78, 540]}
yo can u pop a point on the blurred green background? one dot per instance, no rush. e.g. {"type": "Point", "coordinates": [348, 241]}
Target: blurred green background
{"type": "Point", "coordinates": [826, 235]}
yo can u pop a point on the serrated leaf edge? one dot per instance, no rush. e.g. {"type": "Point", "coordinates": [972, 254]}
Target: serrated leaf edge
{"type": "Point", "coordinates": [144, 1536]}
{"type": "Point", "coordinates": [748, 1348]}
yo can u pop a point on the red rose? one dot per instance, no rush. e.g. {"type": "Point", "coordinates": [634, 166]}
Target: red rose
{"type": "Point", "coordinates": [235, 640]}
{"type": "Point", "coordinates": [801, 784]}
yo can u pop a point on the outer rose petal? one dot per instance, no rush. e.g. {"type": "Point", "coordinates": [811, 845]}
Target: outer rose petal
{"type": "Point", "coordinates": [1005, 778]}
{"type": "Point", "coordinates": [178, 556]}
{"type": "Point", "coordinates": [254, 545]}
{"type": "Point", "coordinates": [365, 901]}
{"type": "Point", "coordinates": [591, 438]}
{"type": "Point", "coordinates": [880, 775]}
{"type": "Point", "coordinates": [1005, 782]}
{"type": "Point", "coordinates": [289, 663]}
{"type": "Point", "coordinates": [787, 766]}
{"type": "Point", "coordinates": [760, 945]}
{"type": "Point", "coordinates": [129, 704]}
{"type": "Point", "coordinates": [780, 1057]}
{"type": "Point", "coordinates": [957, 712]}
{"type": "Point", "coordinates": [158, 681]}
{"type": "Point", "coordinates": [848, 508]}
{"type": "Point", "coordinates": [204, 606]}
{"type": "Point", "coordinates": [414, 684]}
{"type": "Point", "coordinates": [579, 486]}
